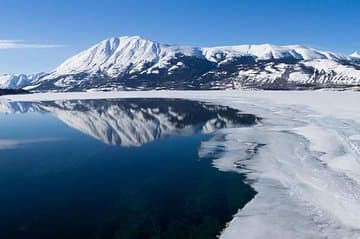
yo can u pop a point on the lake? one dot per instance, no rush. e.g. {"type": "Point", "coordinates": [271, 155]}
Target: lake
{"type": "Point", "coordinates": [119, 168]}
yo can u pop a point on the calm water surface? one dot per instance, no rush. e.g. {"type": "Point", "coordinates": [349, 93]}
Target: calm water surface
{"type": "Point", "coordinates": [115, 169]}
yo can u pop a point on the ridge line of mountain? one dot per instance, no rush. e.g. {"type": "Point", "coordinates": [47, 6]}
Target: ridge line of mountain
{"type": "Point", "coordinates": [135, 63]}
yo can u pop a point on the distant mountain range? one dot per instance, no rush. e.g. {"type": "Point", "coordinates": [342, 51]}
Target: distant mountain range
{"type": "Point", "coordinates": [134, 63]}
{"type": "Point", "coordinates": [16, 81]}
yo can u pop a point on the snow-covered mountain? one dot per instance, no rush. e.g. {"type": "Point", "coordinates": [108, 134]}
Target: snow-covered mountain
{"type": "Point", "coordinates": [356, 54]}
{"type": "Point", "coordinates": [132, 62]}
{"type": "Point", "coordinates": [137, 121]}
{"type": "Point", "coordinates": [116, 55]}
{"type": "Point", "coordinates": [16, 81]}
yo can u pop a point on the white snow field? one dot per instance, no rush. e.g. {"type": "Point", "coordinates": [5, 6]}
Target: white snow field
{"type": "Point", "coordinates": [303, 158]}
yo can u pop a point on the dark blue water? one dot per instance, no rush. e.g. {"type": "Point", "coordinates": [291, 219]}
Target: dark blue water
{"type": "Point", "coordinates": [82, 169]}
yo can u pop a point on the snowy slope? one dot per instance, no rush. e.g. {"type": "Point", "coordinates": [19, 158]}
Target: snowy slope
{"type": "Point", "coordinates": [132, 62]}
{"type": "Point", "coordinates": [356, 54]}
{"type": "Point", "coordinates": [16, 81]}
{"type": "Point", "coordinates": [116, 55]}
{"type": "Point", "coordinates": [269, 52]}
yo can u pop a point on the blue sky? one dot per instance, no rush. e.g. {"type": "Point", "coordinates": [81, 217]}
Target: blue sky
{"type": "Point", "coordinates": [53, 30]}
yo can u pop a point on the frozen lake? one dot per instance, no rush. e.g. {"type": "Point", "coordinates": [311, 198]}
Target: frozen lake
{"type": "Point", "coordinates": [302, 158]}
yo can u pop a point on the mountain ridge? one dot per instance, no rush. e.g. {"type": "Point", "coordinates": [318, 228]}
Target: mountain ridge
{"type": "Point", "coordinates": [356, 54]}
{"type": "Point", "coordinates": [137, 50]}
{"type": "Point", "coordinates": [135, 63]}
{"type": "Point", "coordinates": [16, 81]}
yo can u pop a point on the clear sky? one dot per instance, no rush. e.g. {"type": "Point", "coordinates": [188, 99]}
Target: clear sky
{"type": "Point", "coordinates": [49, 31]}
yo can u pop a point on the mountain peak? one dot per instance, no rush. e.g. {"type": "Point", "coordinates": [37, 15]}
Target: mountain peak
{"type": "Point", "coordinates": [356, 54]}
{"type": "Point", "coordinates": [125, 39]}
{"type": "Point", "coordinates": [134, 37]}
{"type": "Point", "coordinates": [118, 54]}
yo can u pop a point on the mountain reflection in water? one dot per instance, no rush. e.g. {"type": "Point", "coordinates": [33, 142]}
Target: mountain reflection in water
{"type": "Point", "coordinates": [134, 122]}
